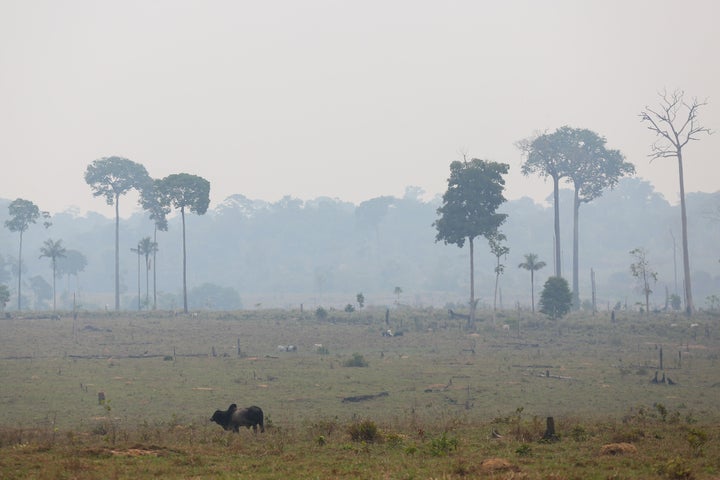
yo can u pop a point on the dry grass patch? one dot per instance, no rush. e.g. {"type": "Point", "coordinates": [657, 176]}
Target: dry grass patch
{"type": "Point", "coordinates": [618, 449]}
{"type": "Point", "coordinates": [494, 465]}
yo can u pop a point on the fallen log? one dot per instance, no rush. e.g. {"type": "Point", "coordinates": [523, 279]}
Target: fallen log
{"type": "Point", "coordinates": [362, 398]}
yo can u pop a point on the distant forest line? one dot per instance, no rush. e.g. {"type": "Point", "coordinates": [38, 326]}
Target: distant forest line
{"type": "Point", "coordinates": [246, 253]}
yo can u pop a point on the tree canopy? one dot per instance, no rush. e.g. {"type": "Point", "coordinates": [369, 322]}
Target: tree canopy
{"type": "Point", "coordinates": [187, 192]}
{"type": "Point", "coordinates": [469, 206]}
{"type": "Point", "coordinates": [111, 177]}
{"type": "Point", "coordinates": [156, 203]}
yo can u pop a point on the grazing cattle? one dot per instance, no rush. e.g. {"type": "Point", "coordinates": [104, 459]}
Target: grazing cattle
{"type": "Point", "coordinates": [234, 418]}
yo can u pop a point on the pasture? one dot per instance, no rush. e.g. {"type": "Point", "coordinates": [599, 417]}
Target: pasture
{"type": "Point", "coordinates": [423, 406]}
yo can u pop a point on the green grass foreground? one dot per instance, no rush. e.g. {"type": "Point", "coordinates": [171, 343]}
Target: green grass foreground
{"type": "Point", "coordinates": [351, 403]}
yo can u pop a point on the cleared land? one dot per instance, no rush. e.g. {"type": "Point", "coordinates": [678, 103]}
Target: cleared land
{"type": "Point", "coordinates": [425, 405]}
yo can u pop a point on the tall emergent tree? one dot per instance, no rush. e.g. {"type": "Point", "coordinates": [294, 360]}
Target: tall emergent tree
{"type": "Point", "coordinates": [23, 213]}
{"type": "Point", "coordinates": [591, 168]}
{"type": "Point", "coordinates": [545, 156]}
{"type": "Point", "coordinates": [185, 191]}
{"type": "Point", "coordinates": [675, 124]}
{"type": "Point", "coordinates": [643, 273]}
{"type": "Point", "coordinates": [154, 201]}
{"type": "Point", "coordinates": [53, 250]}
{"type": "Point", "coordinates": [112, 177]}
{"type": "Point", "coordinates": [532, 264]}
{"type": "Point", "coordinates": [469, 209]}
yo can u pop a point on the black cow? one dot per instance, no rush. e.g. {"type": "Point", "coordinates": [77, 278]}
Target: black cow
{"type": "Point", "coordinates": [234, 418]}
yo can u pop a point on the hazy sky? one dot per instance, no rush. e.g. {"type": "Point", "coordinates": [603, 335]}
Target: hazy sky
{"type": "Point", "coordinates": [336, 98]}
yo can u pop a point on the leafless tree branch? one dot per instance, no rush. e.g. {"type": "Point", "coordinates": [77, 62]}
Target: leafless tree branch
{"type": "Point", "coordinates": [663, 122]}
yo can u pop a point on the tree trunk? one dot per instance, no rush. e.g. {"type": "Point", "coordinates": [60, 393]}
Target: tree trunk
{"type": "Point", "coordinates": [646, 287]}
{"type": "Point", "coordinates": [138, 273]}
{"type": "Point", "coordinates": [185, 306]}
{"type": "Point", "coordinates": [556, 202]}
{"type": "Point", "coordinates": [532, 289]}
{"type": "Point", "coordinates": [689, 307]}
{"type": "Point", "coordinates": [576, 267]}
{"type": "Point", "coordinates": [550, 430]}
{"type": "Point", "coordinates": [117, 252]}
{"type": "Point", "coordinates": [497, 281]}
{"type": "Point", "coordinates": [155, 269]}
{"type": "Point", "coordinates": [53, 270]}
{"type": "Point", "coordinates": [594, 291]}
{"type": "Point", "coordinates": [471, 320]}
{"type": "Point", "coordinates": [20, 274]}
{"type": "Point", "coordinates": [147, 281]}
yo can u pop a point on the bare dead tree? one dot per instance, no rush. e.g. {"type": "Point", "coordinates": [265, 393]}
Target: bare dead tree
{"type": "Point", "coordinates": [675, 124]}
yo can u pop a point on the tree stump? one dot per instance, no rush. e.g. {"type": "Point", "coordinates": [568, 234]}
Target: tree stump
{"type": "Point", "coordinates": [550, 431]}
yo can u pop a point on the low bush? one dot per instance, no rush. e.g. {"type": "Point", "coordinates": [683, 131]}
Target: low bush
{"type": "Point", "coordinates": [365, 431]}
{"type": "Point", "coordinates": [357, 360]}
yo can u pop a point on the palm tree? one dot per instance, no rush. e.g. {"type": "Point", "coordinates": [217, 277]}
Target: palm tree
{"type": "Point", "coordinates": [531, 263]}
{"type": "Point", "coordinates": [147, 247]}
{"type": "Point", "coordinates": [52, 250]}
{"type": "Point", "coordinates": [397, 292]}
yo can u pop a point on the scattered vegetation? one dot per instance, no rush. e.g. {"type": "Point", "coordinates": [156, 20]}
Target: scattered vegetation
{"type": "Point", "coordinates": [357, 360]}
{"type": "Point", "coordinates": [443, 412]}
{"type": "Point", "coordinates": [364, 431]}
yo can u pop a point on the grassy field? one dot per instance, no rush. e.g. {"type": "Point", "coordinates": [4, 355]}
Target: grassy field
{"type": "Point", "coordinates": [424, 406]}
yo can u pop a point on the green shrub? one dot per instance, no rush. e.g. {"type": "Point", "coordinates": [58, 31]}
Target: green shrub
{"type": "Point", "coordinates": [395, 439]}
{"type": "Point", "coordinates": [357, 360]}
{"type": "Point", "coordinates": [555, 298]}
{"type": "Point", "coordinates": [442, 445]}
{"type": "Point", "coordinates": [676, 469]}
{"type": "Point", "coordinates": [524, 450]}
{"type": "Point", "coordinates": [364, 431]}
{"type": "Point", "coordinates": [579, 434]}
{"type": "Point", "coordinates": [697, 439]}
